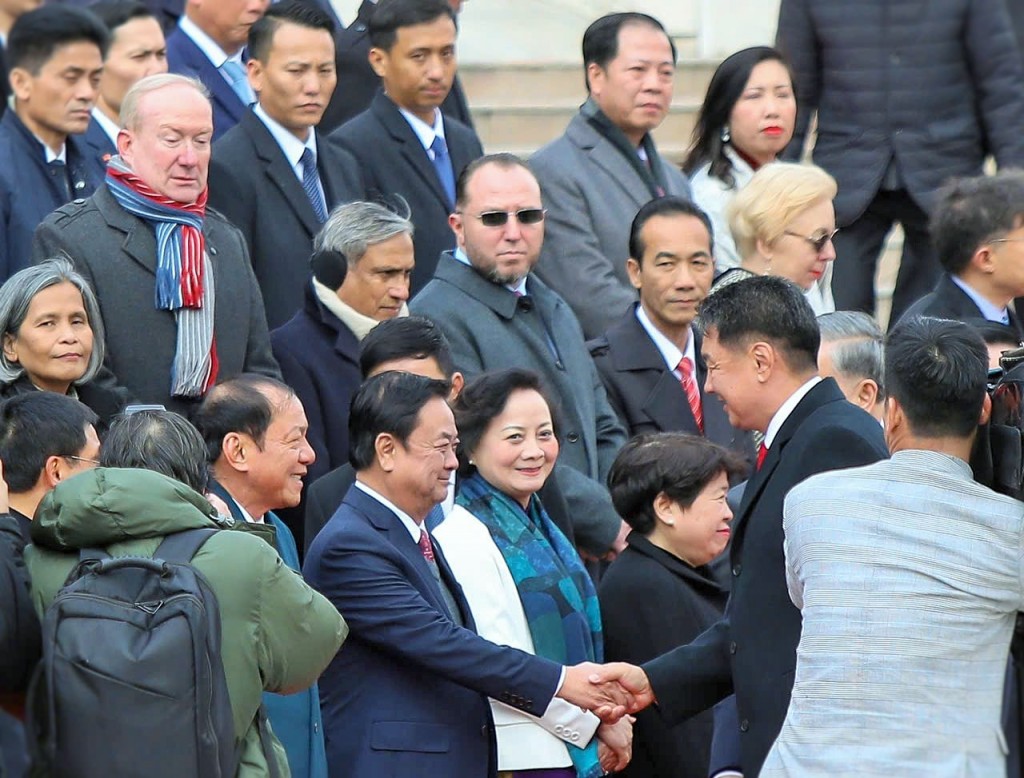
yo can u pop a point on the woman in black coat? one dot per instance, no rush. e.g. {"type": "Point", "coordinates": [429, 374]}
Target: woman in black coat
{"type": "Point", "coordinates": [671, 489]}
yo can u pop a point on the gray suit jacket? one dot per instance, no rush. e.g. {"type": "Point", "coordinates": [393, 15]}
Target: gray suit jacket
{"type": "Point", "coordinates": [592, 194]}
{"type": "Point", "coordinates": [490, 329]}
{"type": "Point", "coordinates": [909, 577]}
{"type": "Point", "coordinates": [116, 252]}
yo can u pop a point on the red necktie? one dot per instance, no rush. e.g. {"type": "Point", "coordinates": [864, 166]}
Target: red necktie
{"type": "Point", "coordinates": [692, 391]}
{"type": "Point", "coordinates": [762, 452]}
{"type": "Point", "coordinates": [425, 547]}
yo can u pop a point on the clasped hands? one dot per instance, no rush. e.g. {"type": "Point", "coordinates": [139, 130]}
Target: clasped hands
{"type": "Point", "coordinates": [611, 691]}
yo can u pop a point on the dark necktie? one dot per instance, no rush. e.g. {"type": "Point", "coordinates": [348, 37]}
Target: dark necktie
{"type": "Point", "coordinates": [426, 548]}
{"type": "Point", "coordinates": [689, 383]}
{"type": "Point", "coordinates": [443, 166]}
{"type": "Point", "coordinates": [59, 172]}
{"type": "Point", "coordinates": [311, 185]}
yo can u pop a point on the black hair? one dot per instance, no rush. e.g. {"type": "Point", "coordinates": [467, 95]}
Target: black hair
{"type": "Point", "coordinates": [485, 397]}
{"type": "Point", "coordinates": [669, 205]}
{"type": "Point", "coordinates": [601, 40]}
{"type": "Point", "coordinates": [678, 464]}
{"type": "Point", "coordinates": [36, 426]}
{"type": "Point", "coordinates": [261, 34]}
{"type": "Point", "coordinates": [37, 34]}
{"type": "Point", "coordinates": [238, 405]}
{"type": "Point", "coordinates": [767, 307]}
{"type": "Point", "coordinates": [387, 403]}
{"type": "Point", "coordinates": [405, 337]}
{"type": "Point", "coordinates": [502, 159]}
{"type": "Point", "coordinates": [158, 440]}
{"type": "Point", "coordinates": [724, 91]}
{"type": "Point", "coordinates": [390, 15]}
{"type": "Point", "coordinates": [937, 370]}
{"type": "Point", "coordinates": [971, 211]}
{"type": "Point", "coordinates": [114, 13]}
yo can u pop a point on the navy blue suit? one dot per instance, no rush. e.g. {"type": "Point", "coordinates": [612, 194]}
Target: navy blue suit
{"type": "Point", "coordinates": [186, 58]}
{"type": "Point", "coordinates": [406, 696]}
{"type": "Point", "coordinates": [98, 149]}
{"type": "Point", "coordinates": [29, 190]}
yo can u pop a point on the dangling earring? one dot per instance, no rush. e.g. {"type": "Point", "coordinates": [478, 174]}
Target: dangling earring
{"type": "Point", "coordinates": [725, 136]}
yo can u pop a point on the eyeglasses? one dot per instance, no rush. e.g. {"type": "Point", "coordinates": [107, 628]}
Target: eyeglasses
{"type": "Point", "coordinates": [1006, 240]}
{"type": "Point", "coordinates": [94, 462]}
{"type": "Point", "coordinates": [818, 241]}
{"type": "Point", "coordinates": [500, 218]}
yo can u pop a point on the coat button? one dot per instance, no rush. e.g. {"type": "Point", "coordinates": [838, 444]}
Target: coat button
{"type": "Point", "coordinates": [732, 647]}
{"type": "Point", "coordinates": [573, 437]}
{"type": "Point", "coordinates": [744, 725]}
{"type": "Point", "coordinates": [736, 570]}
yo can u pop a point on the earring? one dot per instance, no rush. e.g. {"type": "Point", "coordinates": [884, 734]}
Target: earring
{"type": "Point", "coordinates": [725, 136]}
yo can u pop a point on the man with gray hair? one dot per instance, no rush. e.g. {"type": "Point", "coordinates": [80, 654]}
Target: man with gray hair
{"type": "Point", "coordinates": [851, 351]}
{"type": "Point", "coordinates": [175, 286]}
{"type": "Point", "coordinates": [362, 263]}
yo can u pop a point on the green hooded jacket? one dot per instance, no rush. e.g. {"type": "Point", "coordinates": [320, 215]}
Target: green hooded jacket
{"type": "Point", "coordinates": [277, 633]}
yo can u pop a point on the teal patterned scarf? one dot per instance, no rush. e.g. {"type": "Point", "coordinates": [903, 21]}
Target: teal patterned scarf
{"type": "Point", "coordinates": [558, 596]}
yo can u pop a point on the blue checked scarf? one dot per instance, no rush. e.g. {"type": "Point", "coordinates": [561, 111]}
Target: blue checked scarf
{"type": "Point", "coordinates": [558, 596]}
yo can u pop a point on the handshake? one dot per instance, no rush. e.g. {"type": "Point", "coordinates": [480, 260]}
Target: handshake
{"type": "Point", "coordinates": [611, 691]}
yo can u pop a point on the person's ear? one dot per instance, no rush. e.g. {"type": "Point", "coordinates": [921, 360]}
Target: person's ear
{"type": "Point", "coordinates": [983, 259]}
{"type": "Point", "coordinates": [986, 410]}
{"type": "Point", "coordinates": [386, 447]}
{"type": "Point", "coordinates": [10, 350]}
{"type": "Point", "coordinates": [764, 356]}
{"type": "Point", "coordinates": [866, 394]}
{"type": "Point", "coordinates": [234, 451]}
{"type": "Point", "coordinates": [378, 61]}
{"type": "Point", "coordinates": [635, 272]}
{"type": "Point", "coordinates": [458, 382]}
{"type": "Point", "coordinates": [255, 71]}
{"type": "Point", "coordinates": [664, 509]}
{"type": "Point", "coordinates": [54, 471]}
{"type": "Point", "coordinates": [21, 82]}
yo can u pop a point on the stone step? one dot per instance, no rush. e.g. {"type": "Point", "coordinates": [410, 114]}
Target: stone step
{"type": "Point", "coordinates": [540, 84]}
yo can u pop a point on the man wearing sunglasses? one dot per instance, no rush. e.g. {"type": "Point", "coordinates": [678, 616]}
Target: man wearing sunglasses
{"type": "Point", "coordinates": [978, 232]}
{"type": "Point", "coordinates": [497, 314]}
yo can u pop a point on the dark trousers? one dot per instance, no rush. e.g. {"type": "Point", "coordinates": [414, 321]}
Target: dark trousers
{"type": "Point", "coordinates": [859, 245]}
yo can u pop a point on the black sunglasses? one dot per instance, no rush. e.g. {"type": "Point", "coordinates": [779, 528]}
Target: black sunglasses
{"type": "Point", "coordinates": [818, 241]}
{"type": "Point", "coordinates": [500, 218]}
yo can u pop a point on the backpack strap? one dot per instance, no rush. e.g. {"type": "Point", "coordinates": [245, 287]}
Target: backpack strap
{"type": "Point", "coordinates": [182, 546]}
{"type": "Point", "coordinates": [267, 742]}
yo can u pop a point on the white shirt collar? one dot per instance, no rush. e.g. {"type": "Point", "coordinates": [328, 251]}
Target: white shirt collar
{"type": "Point", "coordinates": [61, 155]}
{"type": "Point", "coordinates": [206, 44]}
{"type": "Point", "coordinates": [424, 131]}
{"type": "Point", "coordinates": [414, 527]}
{"type": "Point", "coordinates": [109, 127]}
{"type": "Point", "coordinates": [248, 516]}
{"type": "Point", "coordinates": [516, 289]}
{"type": "Point", "coordinates": [291, 146]}
{"type": "Point", "coordinates": [989, 311]}
{"type": "Point", "coordinates": [787, 408]}
{"type": "Point", "coordinates": [669, 350]}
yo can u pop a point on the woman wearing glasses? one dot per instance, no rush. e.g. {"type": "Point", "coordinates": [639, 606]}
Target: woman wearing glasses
{"type": "Point", "coordinates": [745, 122]}
{"type": "Point", "coordinates": [53, 337]}
{"type": "Point", "coordinates": [783, 223]}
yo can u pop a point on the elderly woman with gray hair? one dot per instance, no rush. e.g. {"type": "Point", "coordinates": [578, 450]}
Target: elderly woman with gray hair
{"type": "Point", "coordinates": [53, 337]}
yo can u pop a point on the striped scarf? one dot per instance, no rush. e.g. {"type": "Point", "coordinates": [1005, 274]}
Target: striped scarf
{"type": "Point", "coordinates": [184, 281]}
{"type": "Point", "coordinates": [556, 592]}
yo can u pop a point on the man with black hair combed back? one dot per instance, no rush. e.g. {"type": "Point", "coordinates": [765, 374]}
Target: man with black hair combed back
{"type": "Point", "coordinates": [55, 56]}
{"type": "Point", "coordinates": [909, 577]}
{"type": "Point", "coordinates": [760, 346]}
{"type": "Point", "coordinates": [273, 175]}
{"type": "Point", "coordinates": [404, 143]}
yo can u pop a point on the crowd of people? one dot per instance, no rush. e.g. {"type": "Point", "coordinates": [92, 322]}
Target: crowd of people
{"type": "Point", "coordinates": [465, 461]}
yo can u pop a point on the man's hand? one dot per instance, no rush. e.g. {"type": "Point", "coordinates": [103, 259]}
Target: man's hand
{"type": "Point", "coordinates": [581, 688]}
{"type": "Point", "coordinates": [632, 682]}
{"type": "Point", "coordinates": [615, 744]}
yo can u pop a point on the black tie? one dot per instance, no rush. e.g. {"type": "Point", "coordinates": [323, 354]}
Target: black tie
{"type": "Point", "coordinates": [59, 172]}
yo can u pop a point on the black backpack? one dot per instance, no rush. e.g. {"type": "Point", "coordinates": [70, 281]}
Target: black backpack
{"type": "Point", "coordinates": [131, 681]}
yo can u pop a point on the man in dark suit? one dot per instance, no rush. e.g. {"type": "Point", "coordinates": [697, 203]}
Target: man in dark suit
{"type": "Point", "coordinates": [978, 232]}
{"type": "Point", "coordinates": [760, 345]}
{"type": "Point", "coordinates": [208, 44]}
{"type": "Point", "coordinates": [403, 142]}
{"type": "Point", "coordinates": [370, 248]}
{"type": "Point", "coordinates": [650, 361]}
{"type": "Point", "coordinates": [273, 175]}
{"type": "Point", "coordinates": [358, 81]}
{"type": "Point", "coordinates": [137, 49]}
{"type": "Point", "coordinates": [407, 693]}
{"type": "Point", "coordinates": [56, 56]}
{"type": "Point", "coordinates": [167, 341]}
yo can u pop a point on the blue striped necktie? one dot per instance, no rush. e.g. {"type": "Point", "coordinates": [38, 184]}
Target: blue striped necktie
{"type": "Point", "coordinates": [239, 81]}
{"type": "Point", "coordinates": [443, 166]}
{"type": "Point", "coordinates": [311, 185]}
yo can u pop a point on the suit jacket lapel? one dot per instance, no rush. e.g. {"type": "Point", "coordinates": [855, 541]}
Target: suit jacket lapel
{"type": "Point", "coordinates": [606, 156]}
{"type": "Point", "coordinates": [279, 170]}
{"type": "Point", "coordinates": [409, 145]}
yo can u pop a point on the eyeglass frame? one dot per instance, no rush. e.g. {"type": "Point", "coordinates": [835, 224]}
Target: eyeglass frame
{"type": "Point", "coordinates": [817, 243]}
{"type": "Point", "coordinates": [482, 216]}
{"type": "Point", "coordinates": [95, 462]}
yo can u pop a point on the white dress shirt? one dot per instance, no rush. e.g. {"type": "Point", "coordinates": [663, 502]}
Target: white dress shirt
{"type": "Point", "coordinates": [786, 409]}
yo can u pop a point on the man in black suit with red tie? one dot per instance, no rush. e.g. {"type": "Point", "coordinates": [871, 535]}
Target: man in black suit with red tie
{"type": "Point", "coordinates": [650, 361]}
